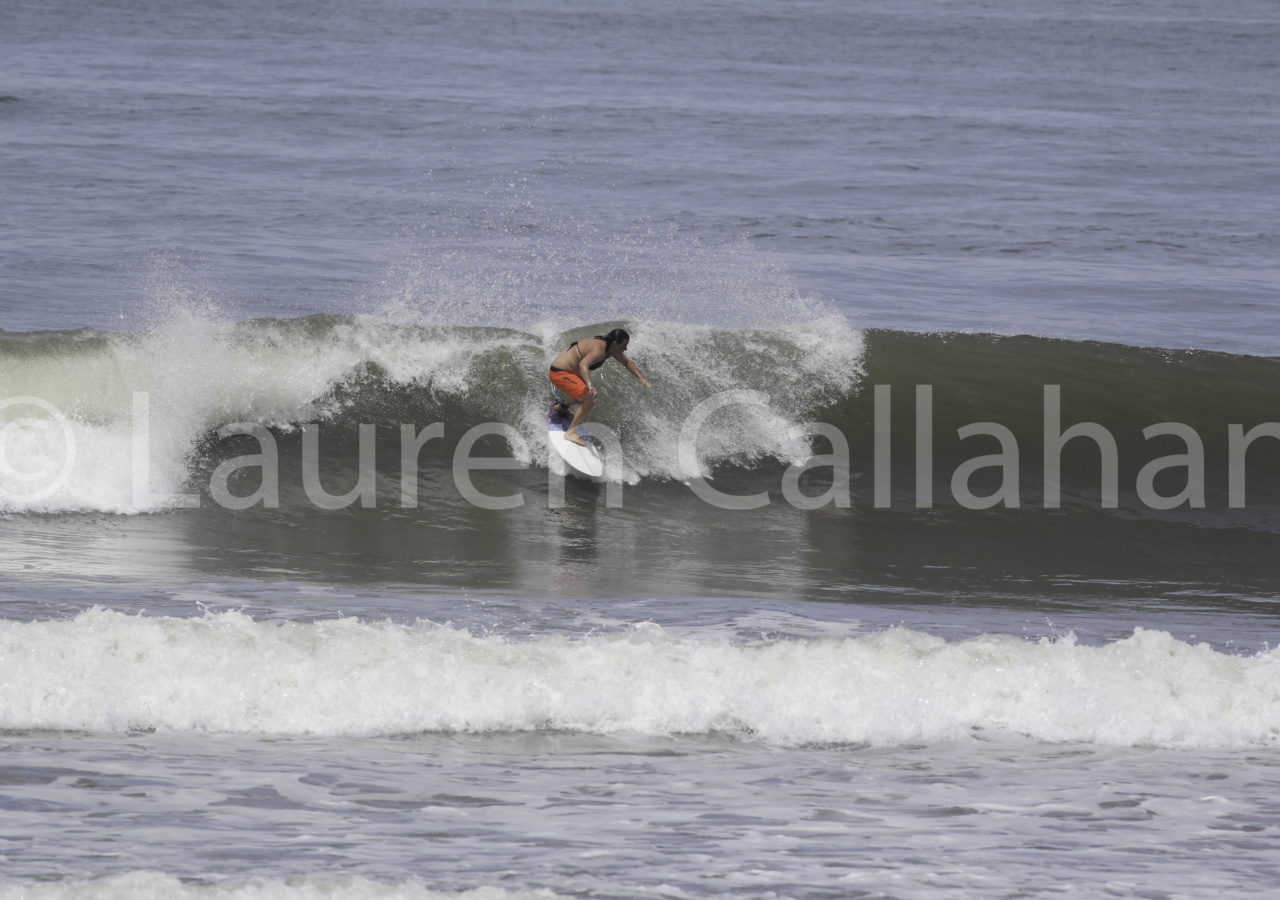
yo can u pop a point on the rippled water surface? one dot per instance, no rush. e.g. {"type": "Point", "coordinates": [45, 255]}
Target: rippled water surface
{"type": "Point", "coordinates": [306, 218]}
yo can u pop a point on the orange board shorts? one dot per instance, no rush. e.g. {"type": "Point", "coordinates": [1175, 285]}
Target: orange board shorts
{"type": "Point", "coordinates": [571, 384]}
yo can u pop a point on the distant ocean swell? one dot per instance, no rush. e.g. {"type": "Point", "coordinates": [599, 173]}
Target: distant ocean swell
{"type": "Point", "coordinates": [341, 372]}
{"type": "Point", "coordinates": [105, 671]}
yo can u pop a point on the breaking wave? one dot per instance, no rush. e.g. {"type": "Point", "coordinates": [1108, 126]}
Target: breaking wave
{"type": "Point", "coordinates": [227, 673]}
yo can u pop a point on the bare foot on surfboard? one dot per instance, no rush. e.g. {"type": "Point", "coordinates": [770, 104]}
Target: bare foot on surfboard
{"type": "Point", "coordinates": [575, 438]}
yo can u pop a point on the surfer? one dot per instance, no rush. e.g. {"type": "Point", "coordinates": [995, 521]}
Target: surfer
{"type": "Point", "coordinates": [571, 373]}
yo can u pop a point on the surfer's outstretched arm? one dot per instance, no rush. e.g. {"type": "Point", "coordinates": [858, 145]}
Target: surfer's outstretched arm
{"type": "Point", "coordinates": [633, 369]}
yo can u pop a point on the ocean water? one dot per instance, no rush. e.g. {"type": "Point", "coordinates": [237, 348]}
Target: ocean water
{"type": "Point", "coordinates": [940, 561]}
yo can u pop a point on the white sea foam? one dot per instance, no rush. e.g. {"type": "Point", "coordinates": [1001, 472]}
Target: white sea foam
{"type": "Point", "coordinates": [158, 886]}
{"type": "Point", "coordinates": [106, 671]}
{"type": "Point", "coordinates": [198, 372]}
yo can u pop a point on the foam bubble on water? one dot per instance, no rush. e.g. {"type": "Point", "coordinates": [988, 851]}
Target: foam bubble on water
{"type": "Point", "coordinates": [105, 671]}
{"type": "Point", "coordinates": [159, 886]}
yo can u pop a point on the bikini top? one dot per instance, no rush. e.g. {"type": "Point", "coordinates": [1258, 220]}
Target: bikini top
{"type": "Point", "coordinates": [594, 366]}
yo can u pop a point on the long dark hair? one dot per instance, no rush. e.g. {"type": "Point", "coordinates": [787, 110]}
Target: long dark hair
{"type": "Point", "coordinates": [617, 336]}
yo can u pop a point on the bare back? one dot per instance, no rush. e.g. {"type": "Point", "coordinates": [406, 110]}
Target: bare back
{"type": "Point", "coordinates": [590, 351]}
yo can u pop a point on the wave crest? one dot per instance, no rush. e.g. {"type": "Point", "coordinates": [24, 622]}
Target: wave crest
{"type": "Point", "coordinates": [226, 673]}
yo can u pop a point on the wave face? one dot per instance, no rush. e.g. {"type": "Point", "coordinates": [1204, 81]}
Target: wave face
{"type": "Point", "coordinates": [105, 671]}
{"type": "Point", "coordinates": [948, 525]}
{"type": "Point", "coordinates": [339, 372]}
{"type": "Point", "coordinates": [200, 374]}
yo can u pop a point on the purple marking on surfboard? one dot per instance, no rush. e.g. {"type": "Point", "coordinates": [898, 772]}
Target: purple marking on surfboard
{"type": "Point", "coordinates": [559, 422]}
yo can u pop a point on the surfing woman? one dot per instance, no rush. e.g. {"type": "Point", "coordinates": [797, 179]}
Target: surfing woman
{"type": "Point", "coordinates": [571, 373]}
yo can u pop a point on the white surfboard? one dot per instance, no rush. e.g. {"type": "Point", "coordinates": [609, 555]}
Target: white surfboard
{"type": "Point", "coordinates": [582, 460]}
